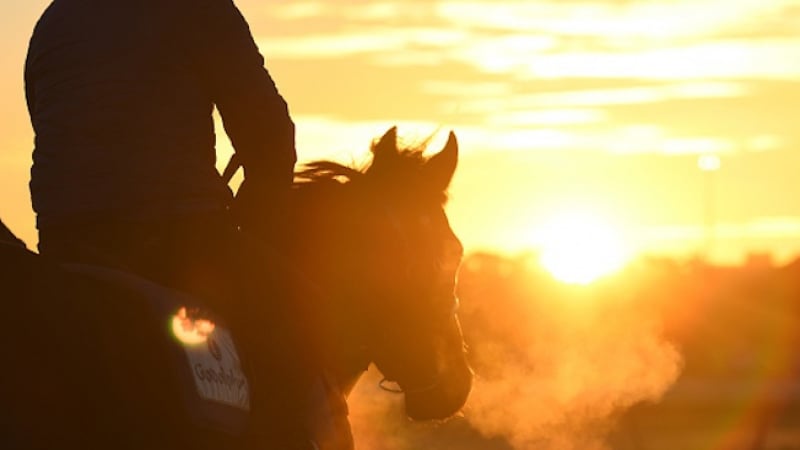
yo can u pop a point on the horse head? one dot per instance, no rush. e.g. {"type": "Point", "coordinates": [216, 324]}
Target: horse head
{"type": "Point", "coordinates": [388, 259]}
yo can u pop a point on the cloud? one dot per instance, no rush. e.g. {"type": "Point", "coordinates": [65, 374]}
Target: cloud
{"type": "Point", "coordinates": [764, 142]}
{"type": "Point", "coordinates": [777, 58]}
{"type": "Point", "coordinates": [352, 12]}
{"type": "Point", "coordinates": [334, 45]}
{"type": "Point", "coordinates": [612, 21]}
{"type": "Point", "coordinates": [374, 41]}
{"type": "Point", "coordinates": [776, 235]}
{"type": "Point", "coordinates": [548, 117]}
{"type": "Point", "coordinates": [596, 97]}
{"type": "Point", "coordinates": [646, 40]}
{"type": "Point", "coordinates": [776, 18]}
{"type": "Point", "coordinates": [764, 228]}
{"type": "Point", "coordinates": [522, 76]}
{"type": "Point", "coordinates": [544, 130]}
{"type": "Point", "coordinates": [298, 10]}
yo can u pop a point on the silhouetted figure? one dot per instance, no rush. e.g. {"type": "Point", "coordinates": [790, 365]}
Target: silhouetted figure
{"type": "Point", "coordinates": [121, 94]}
{"type": "Point", "coordinates": [7, 237]}
{"type": "Point", "coordinates": [91, 366]}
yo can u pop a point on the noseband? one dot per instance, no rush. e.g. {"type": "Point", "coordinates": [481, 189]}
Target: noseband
{"type": "Point", "coordinates": [405, 241]}
{"type": "Point", "coordinates": [433, 385]}
{"type": "Point", "coordinates": [416, 390]}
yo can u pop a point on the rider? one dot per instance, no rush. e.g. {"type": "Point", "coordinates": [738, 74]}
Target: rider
{"type": "Point", "coordinates": [120, 95]}
{"type": "Point", "coordinates": [7, 237]}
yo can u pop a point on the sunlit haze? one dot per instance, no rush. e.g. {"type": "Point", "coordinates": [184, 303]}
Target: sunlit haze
{"type": "Point", "coordinates": [601, 102]}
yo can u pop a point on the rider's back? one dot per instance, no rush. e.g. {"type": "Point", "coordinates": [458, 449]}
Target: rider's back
{"type": "Point", "coordinates": [121, 96]}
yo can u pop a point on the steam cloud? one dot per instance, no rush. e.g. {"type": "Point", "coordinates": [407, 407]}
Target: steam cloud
{"type": "Point", "coordinates": [555, 366]}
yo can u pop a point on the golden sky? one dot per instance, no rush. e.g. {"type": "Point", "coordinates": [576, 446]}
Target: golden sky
{"type": "Point", "coordinates": [596, 106]}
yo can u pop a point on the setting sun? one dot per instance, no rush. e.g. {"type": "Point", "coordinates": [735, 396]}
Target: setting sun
{"type": "Point", "coordinates": [579, 247]}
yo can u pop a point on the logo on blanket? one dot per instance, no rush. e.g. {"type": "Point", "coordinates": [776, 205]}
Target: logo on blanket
{"type": "Point", "coordinates": [213, 359]}
{"type": "Point", "coordinates": [213, 348]}
{"type": "Point", "coordinates": [217, 370]}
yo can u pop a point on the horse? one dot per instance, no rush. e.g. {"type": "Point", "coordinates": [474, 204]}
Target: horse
{"type": "Point", "coordinates": [95, 361]}
{"type": "Point", "coordinates": [96, 358]}
{"type": "Point", "coordinates": [387, 260]}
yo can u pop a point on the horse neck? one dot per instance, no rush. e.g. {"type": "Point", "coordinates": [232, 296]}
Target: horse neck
{"type": "Point", "coordinates": [324, 237]}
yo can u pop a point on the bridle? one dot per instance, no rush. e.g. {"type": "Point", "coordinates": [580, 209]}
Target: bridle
{"type": "Point", "coordinates": [416, 390]}
{"type": "Point", "coordinates": [403, 236]}
{"type": "Point", "coordinates": [231, 168]}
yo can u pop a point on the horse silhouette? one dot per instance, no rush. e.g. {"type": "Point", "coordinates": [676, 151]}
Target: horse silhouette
{"type": "Point", "coordinates": [90, 359]}
{"type": "Point", "coordinates": [378, 244]}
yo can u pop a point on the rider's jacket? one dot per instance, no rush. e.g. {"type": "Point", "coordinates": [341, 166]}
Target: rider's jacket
{"type": "Point", "coordinates": [121, 94]}
{"type": "Point", "coordinates": [7, 237]}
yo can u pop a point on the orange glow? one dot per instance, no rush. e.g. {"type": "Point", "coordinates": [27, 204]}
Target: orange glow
{"type": "Point", "coordinates": [191, 331]}
{"type": "Point", "coordinates": [579, 247]}
{"type": "Point", "coordinates": [626, 196]}
{"type": "Point", "coordinates": [595, 92]}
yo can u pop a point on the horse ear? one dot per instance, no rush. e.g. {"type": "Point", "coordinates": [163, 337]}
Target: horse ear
{"type": "Point", "coordinates": [387, 144]}
{"type": "Point", "coordinates": [442, 166]}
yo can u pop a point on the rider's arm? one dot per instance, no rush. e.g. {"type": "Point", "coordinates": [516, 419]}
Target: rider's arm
{"type": "Point", "coordinates": [255, 115]}
{"type": "Point", "coordinates": [7, 237]}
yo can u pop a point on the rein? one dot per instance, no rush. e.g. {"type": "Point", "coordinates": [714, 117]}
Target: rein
{"type": "Point", "coordinates": [383, 384]}
{"type": "Point", "coordinates": [231, 168]}
{"type": "Point", "coordinates": [399, 390]}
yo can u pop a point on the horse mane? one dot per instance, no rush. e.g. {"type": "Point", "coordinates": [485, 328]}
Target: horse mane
{"type": "Point", "coordinates": [324, 172]}
{"type": "Point", "coordinates": [391, 167]}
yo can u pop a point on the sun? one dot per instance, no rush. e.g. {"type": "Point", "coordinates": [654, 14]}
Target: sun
{"type": "Point", "coordinates": [579, 247]}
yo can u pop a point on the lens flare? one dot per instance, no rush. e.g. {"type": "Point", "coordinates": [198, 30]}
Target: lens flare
{"type": "Point", "coordinates": [190, 330]}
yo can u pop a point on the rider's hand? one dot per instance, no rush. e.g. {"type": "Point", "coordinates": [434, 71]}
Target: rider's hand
{"type": "Point", "coordinates": [259, 208]}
